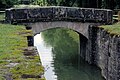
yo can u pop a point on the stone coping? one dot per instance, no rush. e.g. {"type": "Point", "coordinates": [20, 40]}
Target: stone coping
{"type": "Point", "coordinates": [58, 13]}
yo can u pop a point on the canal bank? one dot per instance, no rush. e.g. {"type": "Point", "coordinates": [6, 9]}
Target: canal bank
{"type": "Point", "coordinates": [17, 60]}
{"type": "Point", "coordinates": [108, 50]}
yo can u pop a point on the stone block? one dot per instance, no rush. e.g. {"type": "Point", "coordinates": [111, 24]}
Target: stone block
{"type": "Point", "coordinates": [59, 13]}
{"type": "Point", "coordinates": [19, 14]}
{"type": "Point", "coordinates": [75, 14]}
{"type": "Point", "coordinates": [109, 17]}
{"type": "Point", "coordinates": [100, 15]}
{"type": "Point", "coordinates": [88, 14]}
{"type": "Point", "coordinates": [8, 15]}
{"type": "Point", "coordinates": [40, 14]}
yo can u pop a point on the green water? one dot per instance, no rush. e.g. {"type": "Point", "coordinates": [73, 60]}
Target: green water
{"type": "Point", "coordinates": [66, 63]}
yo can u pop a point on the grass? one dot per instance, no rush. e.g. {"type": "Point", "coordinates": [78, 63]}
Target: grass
{"type": "Point", "coordinates": [2, 16]}
{"type": "Point", "coordinates": [113, 29]}
{"type": "Point", "coordinates": [27, 68]}
{"type": "Point", "coordinates": [11, 45]}
{"type": "Point", "coordinates": [12, 42]}
{"type": "Point", "coordinates": [26, 6]}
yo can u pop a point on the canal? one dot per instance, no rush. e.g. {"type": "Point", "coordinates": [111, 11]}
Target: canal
{"type": "Point", "coordinates": [59, 53]}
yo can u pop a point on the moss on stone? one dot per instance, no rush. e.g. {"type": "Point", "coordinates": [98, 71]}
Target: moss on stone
{"type": "Point", "coordinates": [112, 29]}
{"type": "Point", "coordinates": [1, 78]}
{"type": "Point", "coordinates": [27, 68]}
{"type": "Point", "coordinates": [12, 43]}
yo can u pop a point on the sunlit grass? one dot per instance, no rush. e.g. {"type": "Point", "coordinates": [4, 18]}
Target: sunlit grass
{"type": "Point", "coordinates": [26, 6]}
{"type": "Point", "coordinates": [27, 68]}
{"type": "Point", "coordinates": [113, 29]}
{"type": "Point", "coordinates": [2, 16]}
{"type": "Point", "coordinates": [12, 42]}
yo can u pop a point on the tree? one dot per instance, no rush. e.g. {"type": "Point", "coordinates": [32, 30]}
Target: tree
{"type": "Point", "coordinates": [39, 2]}
{"type": "Point", "coordinates": [117, 2]}
{"type": "Point", "coordinates": [8, 3]}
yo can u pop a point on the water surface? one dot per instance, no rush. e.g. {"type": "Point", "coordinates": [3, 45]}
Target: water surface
{"type": "Point", "coordinates": [61, 58]}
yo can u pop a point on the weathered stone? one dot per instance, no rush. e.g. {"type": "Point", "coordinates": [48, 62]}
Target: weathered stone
{"type": "Point", "coordinates": [106, 53]}
{"type": "Point", "coordinates": [75, 14]}
{"type": "Point", "coordinates": [40, 14]}
{"type": "Point", "coordinates": [88, 14]}
{"type": "Point", "coordinates": [59, 14]}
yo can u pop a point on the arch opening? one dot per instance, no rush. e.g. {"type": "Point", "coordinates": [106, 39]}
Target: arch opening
{"type": "Point", "coordinates": [62, 63]}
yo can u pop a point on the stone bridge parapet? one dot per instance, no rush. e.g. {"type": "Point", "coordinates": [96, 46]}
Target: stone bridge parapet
{"type": "Point", "coordinates": [59, 13]}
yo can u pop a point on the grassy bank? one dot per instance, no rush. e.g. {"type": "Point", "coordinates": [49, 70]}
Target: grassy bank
{"type": "Point", "coordinates": [113, 29]}
{"type": "Point", "coordinates": [2, 16]}
{"type": "Point", "coordinates": [14, 64]}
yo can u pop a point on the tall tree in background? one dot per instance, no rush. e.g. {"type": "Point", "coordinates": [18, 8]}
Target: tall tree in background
{"type": "Point", "coordinates": [117, 4]}
{"type": "Point", "coordinates": [79, 3]}
{"type": "Point", "coordinates": [110, 4]}
{"type": "Point", "coordinates": [93, 3]}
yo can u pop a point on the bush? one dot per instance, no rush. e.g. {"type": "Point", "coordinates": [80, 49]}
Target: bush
{"type": "Point", "coordinates": [8, 3]}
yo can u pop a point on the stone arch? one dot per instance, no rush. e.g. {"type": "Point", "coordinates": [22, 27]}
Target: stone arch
{"type": "Point", "coordinates": [81, 28]}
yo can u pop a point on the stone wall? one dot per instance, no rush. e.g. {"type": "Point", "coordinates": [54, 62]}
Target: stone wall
{"type": "Point", "coordinates": [104, 51]}
{"type": "Point", "coordinates": [58, 13]}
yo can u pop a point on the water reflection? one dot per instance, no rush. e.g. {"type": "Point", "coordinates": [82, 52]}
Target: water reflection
{"type": "Point", "coordinates": [62, 61]}
{"type": "Point", "coordinates": [46, 56]}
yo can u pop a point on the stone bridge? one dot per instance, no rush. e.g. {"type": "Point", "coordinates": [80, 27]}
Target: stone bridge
{"type": "Point", "coordinates": [96, 45]}
{"type": "Point", "coordinates": [42, 18]}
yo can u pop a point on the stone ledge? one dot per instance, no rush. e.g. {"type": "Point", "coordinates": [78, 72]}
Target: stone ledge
{"type": "Point", "coordinates": [52, 13]}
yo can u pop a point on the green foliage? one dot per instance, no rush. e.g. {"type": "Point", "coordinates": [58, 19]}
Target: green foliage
{"type": "Point", "coordinates": [2, 16]}
{"type": "Point", "coordinates": [8, 3]}
{"type": "Point", "coordinates": [109, 4]}
{"type": "Point", "coordinates": [39, 2]}
{"type": "Point", "coordinates": [118, 4]}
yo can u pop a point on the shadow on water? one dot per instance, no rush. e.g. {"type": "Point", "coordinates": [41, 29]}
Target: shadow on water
{"type": "Point", "coordinates": [66, 60]}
